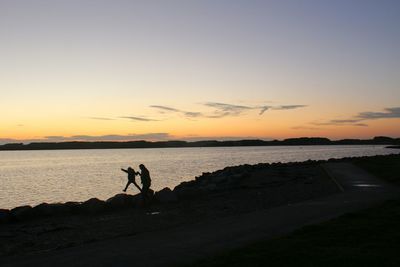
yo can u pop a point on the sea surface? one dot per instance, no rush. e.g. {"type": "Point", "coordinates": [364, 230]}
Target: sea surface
{"type": "Point", "coordinates": [33, 177]}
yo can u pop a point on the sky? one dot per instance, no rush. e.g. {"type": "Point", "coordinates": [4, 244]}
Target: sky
{"type": "Point", "coordinates": [192, 70]}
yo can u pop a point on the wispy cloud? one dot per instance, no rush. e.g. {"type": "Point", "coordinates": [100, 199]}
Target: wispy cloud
{"type": "Point", "coordinates": [227, 109]}
{"type": "Point", "coordinates": [221, 110]}
{"type": "Point", "coordinates": [360, 118]}
{"type": "Point", "coordinates": [133, 118]}
{"type": "Point", "coordinates": [287, 107]}
{"type": "Point", "coordinates": [340, 123]}
{"type": "Point", "coordinates": [235, 110]}
{"type": "Point", "coordinates": [305, 128]}
{"type": "Point", "coordinates": [191, 114]}
{"type": "Point", "coordinates": [389, 113]}
{"type": "Point", "coordinates": [165, 108]}
{"type": "Point", "coordinates": [345, 121]}
{"type": "Point", "coordinates": [187, 114]}
{"type": "Point", "coordinates": [101, 118]}
{"type": "Point", "coordinates": [263, 110]}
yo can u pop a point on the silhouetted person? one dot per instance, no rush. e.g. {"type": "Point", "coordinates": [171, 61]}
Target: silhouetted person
{"type": "Point", "coordinates": [146, 182]}
{"type": "Point", "coordinates": [131, 177]}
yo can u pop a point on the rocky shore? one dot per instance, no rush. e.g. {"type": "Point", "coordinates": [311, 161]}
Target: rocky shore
{"type": "Point", "coordinates": [228, 192]}
{"type": "Point", "coordinates": [222, 181]}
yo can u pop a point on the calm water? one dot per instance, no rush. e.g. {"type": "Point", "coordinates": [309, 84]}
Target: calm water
{"type": "Point", "coordinates": [32, 177]}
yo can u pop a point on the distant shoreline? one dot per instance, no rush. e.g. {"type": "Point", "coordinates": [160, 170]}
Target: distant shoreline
{"type": "Point", "coordinates": [302, 141]}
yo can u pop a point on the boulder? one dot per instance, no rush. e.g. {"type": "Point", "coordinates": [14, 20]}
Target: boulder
{"type": "Point", "coordinates": [4, 215]}
{"type": "Point", "coordinates": [166, 195]}
{"type": "Point", "coordinates": [93, 205]}
{"type": "Point", "coordinates": [187, 192]}
{"type": "Point", "coordinates": [72, 207]}
{"type": "Point", "coordinates": [186, 184]}
{"type": "Point", "coordinates": [209, 187]}
{"type": "Point", "coordinates": [220, 179]}
{"type": "Point", "coordinates": [46, 209]}
{"type": "Point", "coordinates": [122, 201]}
{"type": "Point", "coordinates": [205, 174]}
{"type": "Point", "coordinates": [22, 213]}
{"type": "Point", "coordinates": [150, 193]}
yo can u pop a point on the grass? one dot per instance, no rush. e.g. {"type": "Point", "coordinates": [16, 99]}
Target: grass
{"type": "Point", "coordinates": [366, 238]}
{"type": "Point", "coordinates": [384, 167]}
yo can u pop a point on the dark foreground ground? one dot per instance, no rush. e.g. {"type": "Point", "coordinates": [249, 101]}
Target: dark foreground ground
{"type": "Point", "coordinates": [220, 211]}
{"type": "Point", "coordinates": [366, 238]}
{"type": "Point", "coordinates": [227, 193]}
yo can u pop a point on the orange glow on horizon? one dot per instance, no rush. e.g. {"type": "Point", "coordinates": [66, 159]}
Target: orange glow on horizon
{"type": "Point", "coordinates": [255, 127]}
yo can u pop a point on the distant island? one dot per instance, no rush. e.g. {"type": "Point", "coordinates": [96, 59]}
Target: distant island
{"type": "Point", "coordinates": [302, 141]}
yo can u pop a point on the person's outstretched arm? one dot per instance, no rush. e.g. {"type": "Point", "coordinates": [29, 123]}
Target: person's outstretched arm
{"type": "Point", "coordinates": [124, 170]}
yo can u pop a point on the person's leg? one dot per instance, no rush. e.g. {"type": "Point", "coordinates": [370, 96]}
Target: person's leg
{"type": "Point", "coordinates": [127, 185]}
{"type": "Point", "coordinates": [145, 192]}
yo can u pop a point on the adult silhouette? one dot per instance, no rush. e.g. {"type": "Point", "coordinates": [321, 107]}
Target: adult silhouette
{"type": "Point", "coordinates": [146, 182]}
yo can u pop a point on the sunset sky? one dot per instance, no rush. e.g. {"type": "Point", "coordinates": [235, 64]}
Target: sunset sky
{"type": "Point", "coordinates": [160, 70]}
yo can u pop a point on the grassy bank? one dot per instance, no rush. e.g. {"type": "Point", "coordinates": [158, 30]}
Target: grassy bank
{"type": "Point", "coordinates": [365, 238]}
{"type": "Point", "coordinates": [384, 167]}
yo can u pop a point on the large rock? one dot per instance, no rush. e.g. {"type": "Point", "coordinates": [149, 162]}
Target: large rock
{"type": "Point", "coordinates": [220, 179]}
{"type": "Point", "coordinates": [72, 207]}
{"type": "Point", "coordinates": [122, 201]}
{"type": "Point", "coordinates": [188, 192]}
{"type": "Point", "coordinates": [93, 205]}
{"type": "Point", "coordinates": [166, 195]}
{"type": "Point", "coordinates": [22, 213]}
{"type": "Point", "coordinates": [209, 187]}
{"type": "Point", "coordinates": [4, 215]}
{"type": "Point", "coordinates": [46, 209]}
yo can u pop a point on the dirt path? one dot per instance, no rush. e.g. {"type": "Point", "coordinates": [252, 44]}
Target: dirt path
{"type": "Point", "coordinates": [191, 242]}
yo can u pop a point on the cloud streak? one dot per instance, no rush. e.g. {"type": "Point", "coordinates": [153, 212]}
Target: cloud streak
{"type": "Point", "coordinates": [360, 118]}
{"type": "Point", "coordinates": [389, 113]}
{"type": "Point", "coordinates": [165, 108]}
{"type": "Point", "coordinates": [305, 128]}
{"type": "Point", "coordinates": [221, 110]}
{"type": "Point", "coordinates": [187, 114]}
{"type": "Point", "coordinates": [101, 118]}
{"type": "Point", "coordinates": [235, 110]}
{"type": "Point", "coordinates": [339, 123]}
{"type": "Point", "coordinates": [263, 110]}
{"type": "Point", "coordinates": [133, 118]}
{"type": "Point", "coordinates": [288, 107]}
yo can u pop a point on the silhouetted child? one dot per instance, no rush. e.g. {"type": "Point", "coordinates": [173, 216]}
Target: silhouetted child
{"type": "Point", "coordinates": [131, 177]}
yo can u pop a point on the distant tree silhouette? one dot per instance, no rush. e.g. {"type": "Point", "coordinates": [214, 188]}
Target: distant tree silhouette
{"type": "Point", "coordinates": [302, 141]}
